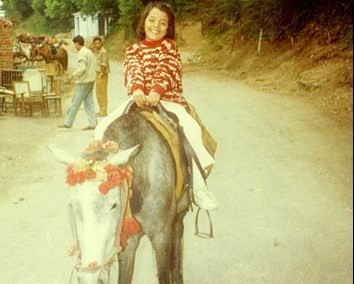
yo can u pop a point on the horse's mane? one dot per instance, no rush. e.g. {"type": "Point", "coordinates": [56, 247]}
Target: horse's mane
{"type": "Point", "coordinates": [128, 129]}
{"type": "Point", "coordinates": [129, 119]}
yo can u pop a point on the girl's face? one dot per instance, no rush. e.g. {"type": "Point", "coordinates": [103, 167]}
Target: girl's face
{"type": "Point", "coordinates": [156, 25]}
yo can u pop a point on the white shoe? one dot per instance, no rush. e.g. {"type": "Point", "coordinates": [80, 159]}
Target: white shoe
{"type": "Point", "coordinates": [204, 199]}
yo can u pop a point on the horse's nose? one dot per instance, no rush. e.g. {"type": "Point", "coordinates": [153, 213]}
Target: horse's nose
{"type": "Point", "coordinates": [91, 267]}
{"type": "Point", "coordinates": [89, 274]}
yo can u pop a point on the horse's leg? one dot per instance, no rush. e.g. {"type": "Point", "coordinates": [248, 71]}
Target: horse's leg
{"type": "Point", "coordinates": [177, 249]}
{"type": "Point", "coordinates": [127, 259]}
{"type": "Point", "coordinates": [162, 245]}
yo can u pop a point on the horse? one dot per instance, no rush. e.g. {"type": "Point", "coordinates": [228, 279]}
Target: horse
{"type": "Point", "coordinates": [22, 51]}
{"type": "Point", "coordinates": [153, 203]}
{"type": "Point", "coordinates": [61, 56]}
{"type": "Point", "coordinates": [26, 52]}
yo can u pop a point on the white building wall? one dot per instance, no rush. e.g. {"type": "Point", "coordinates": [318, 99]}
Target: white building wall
{"type": "Point", "coordinates": [87, 26]}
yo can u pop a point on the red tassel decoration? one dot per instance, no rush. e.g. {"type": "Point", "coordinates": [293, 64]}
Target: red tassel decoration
{"type": "Point", "coordinates": [130, 226]}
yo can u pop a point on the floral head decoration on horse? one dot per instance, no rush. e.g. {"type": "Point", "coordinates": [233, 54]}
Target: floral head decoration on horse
{"type": "Point", "coordinates": [94, 165]}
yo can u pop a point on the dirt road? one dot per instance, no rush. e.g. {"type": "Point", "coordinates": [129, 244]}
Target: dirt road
{"type": "Point", "coordinates": [283, 179]}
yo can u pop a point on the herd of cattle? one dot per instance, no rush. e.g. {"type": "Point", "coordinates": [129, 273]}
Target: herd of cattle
{"type": "Point", "coordinates": [30, 48]}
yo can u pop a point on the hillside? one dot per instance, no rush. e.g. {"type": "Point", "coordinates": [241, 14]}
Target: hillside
{"type": "Point", "coordinates": [309, 67]}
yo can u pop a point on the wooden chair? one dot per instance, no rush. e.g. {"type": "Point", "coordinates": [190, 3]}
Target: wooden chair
{"type": "Point", "coordinates": [51, 97]}
{"type": "Point", "coordinates": [35, 79]}
{"type": "Point", "coordinates": [54, 100]}
{"type": "Point", "coordinates": [19, 89]}
{"type": "Point", "coordinates": [24, 99]}
{"type": "Point", "coordinates": [39, 86]}
{"type": "Point", "coordinates": [4, 93]}
{"type": "Point", "coordinates": [7, 76]}
{"type": "Point", "coordinates": [2, 100]}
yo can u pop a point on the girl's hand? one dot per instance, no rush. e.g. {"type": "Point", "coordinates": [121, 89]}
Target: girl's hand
{"type": "Point", "coordinates": [153, 98]}
{"type": "Point", "coordinates": [139, 98]}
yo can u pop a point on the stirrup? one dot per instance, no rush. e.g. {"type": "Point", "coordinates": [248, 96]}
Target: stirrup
{"type": "Point", "coordinates": [209, 235]}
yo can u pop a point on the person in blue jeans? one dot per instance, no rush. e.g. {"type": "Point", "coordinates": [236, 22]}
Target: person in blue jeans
{"type": "Point", "coordinates": [84, 77]}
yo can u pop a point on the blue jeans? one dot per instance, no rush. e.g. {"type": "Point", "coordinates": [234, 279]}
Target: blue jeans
{"type": "Point", "coordinates": [83, 93]}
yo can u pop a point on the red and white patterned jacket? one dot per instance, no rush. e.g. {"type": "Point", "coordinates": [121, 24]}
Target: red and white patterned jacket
{"type": "Point", "coordinates": [154, 66]}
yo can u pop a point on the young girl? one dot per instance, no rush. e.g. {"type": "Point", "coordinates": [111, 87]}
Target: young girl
{"type": "Point", "coordinates": [152, 74]}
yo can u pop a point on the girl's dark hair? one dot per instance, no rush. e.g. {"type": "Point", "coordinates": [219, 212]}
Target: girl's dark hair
{"type": "Point", "coordinates": [162, 7]}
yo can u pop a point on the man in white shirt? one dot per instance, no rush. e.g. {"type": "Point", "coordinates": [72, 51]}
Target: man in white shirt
{"type": "Point", "coordinates": [84, 77]}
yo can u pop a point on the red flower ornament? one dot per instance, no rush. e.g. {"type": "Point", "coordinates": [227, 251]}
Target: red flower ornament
{"type": "Point", "coordinates": [110, 176]}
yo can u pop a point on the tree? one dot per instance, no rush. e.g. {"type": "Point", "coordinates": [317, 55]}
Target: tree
{"type": "Point", "coordinates": [19, 9]}
{"type": "Point", "coordinates": [39, 6]}
{"type": "Point", "coordinates": [57, 15]}
{"type": "Point", "coordinates": [129, 15]}
{"type": "Point", "coordinates": [183, 8]}
{"type": "Point", "coordinates": [107, 8]}
{"type": "Point", "coordinates": [60, 9]}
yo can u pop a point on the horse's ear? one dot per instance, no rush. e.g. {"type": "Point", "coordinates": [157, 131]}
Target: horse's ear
{"type": "Point", "coordinates": [123, 156]}
{"type": "Point", "coordinates": [61, 155]}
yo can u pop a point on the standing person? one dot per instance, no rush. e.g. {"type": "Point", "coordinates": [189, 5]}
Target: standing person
{"type": "Point", "coordinates": [84, 77]}
{"type": "Point", "coordinates": [102, 70]}
{"type": "Point", "coordinates": [153, 74]}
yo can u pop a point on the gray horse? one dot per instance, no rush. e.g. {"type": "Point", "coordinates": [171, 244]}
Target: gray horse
{"type": "Point", "coordinates": [153, 203]}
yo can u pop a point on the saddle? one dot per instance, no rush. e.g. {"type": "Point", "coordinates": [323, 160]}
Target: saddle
{"type": "Point", "coordinates": [53, 50]}
{"type": "Point", "coordinates": [166, 123]}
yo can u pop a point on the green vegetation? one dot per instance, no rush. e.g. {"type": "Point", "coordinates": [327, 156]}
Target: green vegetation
{"type": "Point", "coordinates": [36, 24]}
{"type": "Point", "coordinates": [278, 19]}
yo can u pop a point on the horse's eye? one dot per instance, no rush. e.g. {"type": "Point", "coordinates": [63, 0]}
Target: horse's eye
{"type": "Point", "coordinates": [114, 206]}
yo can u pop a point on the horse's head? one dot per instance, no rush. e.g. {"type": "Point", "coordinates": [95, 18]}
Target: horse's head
{"type": "Point", "coordinates": [98, 195]}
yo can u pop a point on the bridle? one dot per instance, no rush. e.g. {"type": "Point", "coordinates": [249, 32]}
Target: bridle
{"type": "Point", "coordinates": [124, 195]}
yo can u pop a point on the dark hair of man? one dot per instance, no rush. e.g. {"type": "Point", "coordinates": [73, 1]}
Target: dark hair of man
{"type": "Point", "coordinates": [79, 39]}
{"type": "Point", "coordinates": [97, 38]}
{"type": "Point", "coordinates": [162, 7]}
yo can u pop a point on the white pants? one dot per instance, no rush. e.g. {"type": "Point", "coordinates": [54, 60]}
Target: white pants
{"type": "Point", "coordinates": [191, 128]}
